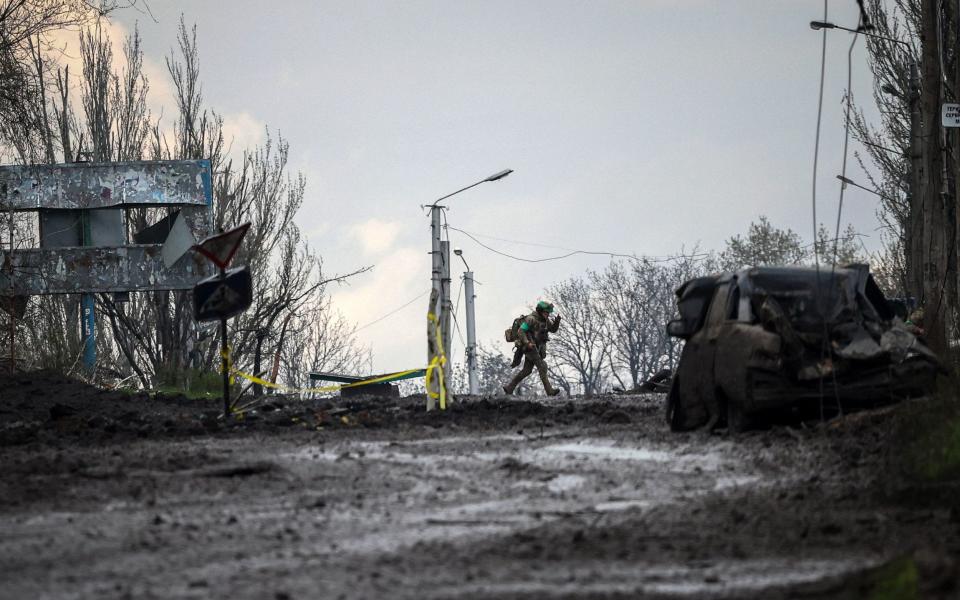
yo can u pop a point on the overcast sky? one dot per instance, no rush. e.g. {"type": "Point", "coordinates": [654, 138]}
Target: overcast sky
{"type": "Point", "coordinates": [638, 127]}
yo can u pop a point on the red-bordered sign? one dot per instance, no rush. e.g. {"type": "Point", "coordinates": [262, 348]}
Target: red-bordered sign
{"type": "Point", "coordinates": [220, 248]}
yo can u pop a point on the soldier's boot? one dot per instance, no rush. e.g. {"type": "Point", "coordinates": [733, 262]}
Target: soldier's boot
{"type": "Point", "coordinates": [549, 389]}
{"type": "Point", "coordinates": [516, 380]}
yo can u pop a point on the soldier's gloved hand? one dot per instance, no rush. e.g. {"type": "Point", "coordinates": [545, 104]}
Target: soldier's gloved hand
{"type": "Point", "coordinates": [557, 320]}
{"type": "Point", "coordinates": [530, 346]}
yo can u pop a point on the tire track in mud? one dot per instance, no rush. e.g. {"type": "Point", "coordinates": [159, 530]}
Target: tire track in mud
{"type": "Point", "coordinates": [507, 500]}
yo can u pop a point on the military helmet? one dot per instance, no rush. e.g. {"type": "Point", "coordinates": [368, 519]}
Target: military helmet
{"type": "Point", "coordinates": [545, 306]}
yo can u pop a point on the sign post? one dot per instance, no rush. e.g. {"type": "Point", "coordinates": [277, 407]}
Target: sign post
{"type": "Point", "coordinates": [83, 247]}
{"type": "Point", "coordinates": [224, 296]}
{"type": "Point", "coordinates": [225, 357]}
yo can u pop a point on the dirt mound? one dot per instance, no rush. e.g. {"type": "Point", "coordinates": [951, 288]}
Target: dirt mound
{"type": "Point", "coordinates": [506, 497]}
{"type": "Point", "coordinates": [44, 406]}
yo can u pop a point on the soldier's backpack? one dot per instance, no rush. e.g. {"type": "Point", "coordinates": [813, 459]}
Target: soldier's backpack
{"type": "Point", "coordinates": [511, 333]}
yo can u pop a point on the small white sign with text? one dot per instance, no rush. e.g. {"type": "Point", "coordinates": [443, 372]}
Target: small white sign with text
{"type": "Point", "coordinates": [950, 115]}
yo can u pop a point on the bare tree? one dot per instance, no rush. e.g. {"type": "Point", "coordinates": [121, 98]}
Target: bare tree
{"type": "Point", "coordinates": [583, 343]}
{"type": "Point", "coordinates": [493, 370]}
{"type": "Point", "coordinates": [291, 328]}
{"type": "Point", "coordinates": [627, 294]}
{"type": "Point", "coordinates": [916, 161]}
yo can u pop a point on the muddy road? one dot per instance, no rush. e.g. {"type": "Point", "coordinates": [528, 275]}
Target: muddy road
{"type": "Point", "coordinates": [104, 495]}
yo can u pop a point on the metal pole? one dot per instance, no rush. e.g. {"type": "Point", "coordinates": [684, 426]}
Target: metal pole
{"type": "Point", "coordinates": [471, 334]}
{"type": "Point", "coordinates": [87, 309]}
{"type": "Point", "coordinates": [13, 311]}
{"type": "Point", "coordinates": [225, 359]}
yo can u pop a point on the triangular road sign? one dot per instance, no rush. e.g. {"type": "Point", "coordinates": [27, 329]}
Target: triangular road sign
{"type": "Point", "coordinates": [220, 248]}
{"type": "Point", "coordinates": [217, 297]}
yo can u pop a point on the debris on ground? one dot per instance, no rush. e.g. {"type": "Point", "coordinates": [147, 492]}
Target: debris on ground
{"type": "Point", "coordinates": [134, 495]}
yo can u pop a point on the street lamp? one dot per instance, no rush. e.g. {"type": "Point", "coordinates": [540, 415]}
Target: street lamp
{"type": "Point", "coordinates": [499, 175]}
{"type": "Point", "coordinates": [440, 275]}
{"type": "Point", "coordinates": [459, 252]}
{"type": "Point", "coordinates": [469, 301]}
{"type": "Point", "coordinates": [494, 177]}
{"type": "Point", "coordinates": [818, 25]}
{"type": "Point", "coordinates": [912, 101]}
{"type": "Point", "coordinates": [847, 181]}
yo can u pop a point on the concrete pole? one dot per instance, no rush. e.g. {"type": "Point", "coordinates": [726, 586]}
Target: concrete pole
{"type": "Point", "coordinates": [446, 306]}
{"type": "Point", "coordinates": [435, 246]}
{"type": "Point", "coordinates": [441, 275]}
{"type": "Point", "coordinates": [435, 298]}
{"type": "Point", "coordinates": [471, 334]}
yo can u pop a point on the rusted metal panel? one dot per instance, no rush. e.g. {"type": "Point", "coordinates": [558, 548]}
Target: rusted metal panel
{"type": "Point", "coordinates": [100, 185]}
{"type": "Point", "coordinates": [107, 269]}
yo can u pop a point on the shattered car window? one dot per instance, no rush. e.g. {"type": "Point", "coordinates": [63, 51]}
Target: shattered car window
{"type": "Point", "coordinates": [796, 292]}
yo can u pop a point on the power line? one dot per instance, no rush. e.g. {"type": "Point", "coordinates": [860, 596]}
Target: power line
{"type": "Point", "coordinates": [846, 136]}
{"type": "Point", "coordinates": [456, 305]}
{"type": "Point", "coordinates": [816, 142]}
{"type": "Point", "coordinates": [392, 312]}
{"type": "Point", "coordinates": [846, 141]}
{"type": "Point", "coordinates": [456, 325]}
{"type": "Point", "coordinates": [509, 241]}
{"type": "Point", "coordinates": [575, 252]}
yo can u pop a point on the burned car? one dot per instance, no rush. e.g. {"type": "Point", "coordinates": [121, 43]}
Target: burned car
{"type": "Point", "coordinates": [768, 341]}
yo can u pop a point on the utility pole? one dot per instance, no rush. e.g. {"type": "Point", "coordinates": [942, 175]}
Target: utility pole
{"type": "Point", "coordinates": [470, 298]}
{"type": "Point", "coordinates": [471, 334]}
{"type": "Point", "coordinates": [915, 231]}
{"type": "Point", "coordinates": [440, 281]}
{"type": "Point", "coordinates": [934, 256]}
{"type": "Point", "coordinates": [436, 298]}
{"type": "Point", "coordinates": [440, 304]}
{"type": "Point", "coordinates": [446, 305]}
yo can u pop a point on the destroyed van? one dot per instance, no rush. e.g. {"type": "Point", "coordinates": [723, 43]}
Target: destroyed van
{"type": "Point", "coordinates": [770, 341]}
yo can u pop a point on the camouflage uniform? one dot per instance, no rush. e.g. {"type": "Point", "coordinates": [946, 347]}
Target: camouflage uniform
{"type": "Point", "coordinates": [535, 329]}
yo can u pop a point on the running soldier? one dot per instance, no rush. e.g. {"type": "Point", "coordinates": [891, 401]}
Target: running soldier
{"type": "Point", "coordinates": [532, 337]}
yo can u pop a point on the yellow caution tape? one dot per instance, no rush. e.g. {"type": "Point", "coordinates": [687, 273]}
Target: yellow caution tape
{"type": "Point", "coordinates": [328, 388]}
{"type": "Point", "coordinates": [226, 356]}
{"type": "Point", "coordinates": [436, 364]}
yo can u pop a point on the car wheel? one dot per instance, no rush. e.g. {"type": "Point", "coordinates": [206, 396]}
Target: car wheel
{"type": "Point", "coordinates": [675, 407]}
{"type": "Point", "coordinates": [737, 420]}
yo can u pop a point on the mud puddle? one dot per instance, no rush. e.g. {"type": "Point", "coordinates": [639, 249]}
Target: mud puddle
{"type": "Point", "coordinates": [720, 579]}
{"type": "Point", "coordinates": [495, 498]}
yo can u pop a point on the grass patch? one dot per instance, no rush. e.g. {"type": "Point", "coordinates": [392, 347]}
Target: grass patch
{"type": "Point", "coordinates": [930, 437]}
{"type": "Point", "coordinates": [896, 580]}
{"type": "Point", "coordinates": [938, 457]}
{"type": "Point", "coordinates": [196, 384]}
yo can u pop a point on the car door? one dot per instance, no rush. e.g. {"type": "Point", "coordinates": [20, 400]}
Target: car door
{"type": "Point", "coordinates": [717, 316]}
{"type": "Point", "coordinates": [695, 374]}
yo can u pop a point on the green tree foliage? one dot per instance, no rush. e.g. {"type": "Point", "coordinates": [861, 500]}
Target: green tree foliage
{"type": "Point", "coordinates": [763, 245]}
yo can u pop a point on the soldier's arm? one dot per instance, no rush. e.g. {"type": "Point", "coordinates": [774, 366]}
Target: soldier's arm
{"type": "Point", "coordinates": [555, 325]}
{"type": "Point", "coordinates": [525, 334]}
